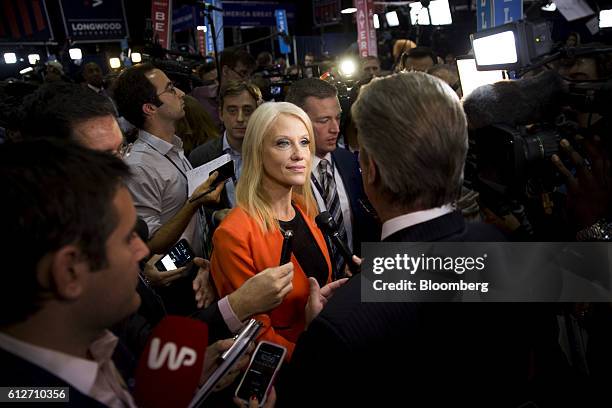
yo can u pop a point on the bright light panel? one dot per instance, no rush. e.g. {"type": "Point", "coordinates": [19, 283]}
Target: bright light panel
{"type": "Point", "coordinates": [471, 78]}
{"type": "Point", "coordinates": [26, 70]}
{"type": "Point", "coordinates": [201, 28]}
{"type": "Point", "coordinates": [75, 53]}
{"type": "Point", "coordinates": [550, 7]}
{"type": "Point", "coordinates": [349, 10]}
{"type": "Point", "coordinates": [114, 62]}
{"type": "Point", "coordinates": [33, 59]}
{"type": "Point", "coordinates": [10, 58]}
{"type": "Point", "coordinates": [439, 10]}
{"type": "Point", "coordinates": [376, 22]}
{"type": "Point", "coordinates": [136, 57]}
{"type": "Point", "coordinates": [605, 18]}
{"type": "Point", "coordinates": [347, 67]}
{"type": "Point", "coordinates": [496, 49]}
{"type": "Point", "coordinates": [392, 19]}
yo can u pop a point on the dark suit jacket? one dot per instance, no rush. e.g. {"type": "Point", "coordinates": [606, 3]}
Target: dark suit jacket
{"type": "Point", "coordinates": [413, 354]}
{"type": "Point", "coordinates": [205, 153]}
{"type": "Point", "coordinates": [366, 227]}
{"type": "Point", "coordinates": [17, 372]}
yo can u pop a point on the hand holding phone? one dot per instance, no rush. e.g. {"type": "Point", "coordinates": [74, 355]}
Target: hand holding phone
{"type": "Point", "coordinates": [261, 372]}
{"type": "Point", "coordinates": [178, 256]}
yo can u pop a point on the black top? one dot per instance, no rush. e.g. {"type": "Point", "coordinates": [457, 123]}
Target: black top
{"type": "Point", "coordinates": [305, 248]}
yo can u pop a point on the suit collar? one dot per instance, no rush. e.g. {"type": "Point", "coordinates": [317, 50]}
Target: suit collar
{"type": "Point", "coordinates": [432, 230]}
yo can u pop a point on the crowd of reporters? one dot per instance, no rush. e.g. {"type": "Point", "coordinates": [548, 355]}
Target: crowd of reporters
{"type": "Point", "coordinates": [95, 176]}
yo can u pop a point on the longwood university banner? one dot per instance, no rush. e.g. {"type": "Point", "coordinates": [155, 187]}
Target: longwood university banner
{"type": "Point", "coordinates": [366, 33]}
{"type": "Point", "coordinates": [94, 20]}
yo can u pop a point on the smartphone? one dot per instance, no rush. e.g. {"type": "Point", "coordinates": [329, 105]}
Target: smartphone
{"type": "Point", "coordinates": [228, 359]}
{"type": "Point", "coordinates": [260, 374]}
{"type": "Point", "coordinates": [179, 255]}
{"type": "Point", "coordinates": [226, 171]}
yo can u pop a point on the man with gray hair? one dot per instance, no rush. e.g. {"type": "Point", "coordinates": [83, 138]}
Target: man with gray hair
{"type": "Point", "coordinates": [413, 137]}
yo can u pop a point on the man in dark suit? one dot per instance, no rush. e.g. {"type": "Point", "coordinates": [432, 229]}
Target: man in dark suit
{"type": "Point", "coordinates": [336, 178]}
{"type": "Point", "coordinates": [72, 248]}
{"type": "Point", "coordinates": [237, 102]}
{"type": "Point", "coordinates": [413, 138]}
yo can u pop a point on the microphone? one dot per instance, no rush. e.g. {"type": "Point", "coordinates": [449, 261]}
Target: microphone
{"type": "Point", "coordinates": [519, 102]}
{"type": "Point", "coordinates": [169, 370]}
{"type": "Point", "coordinates": [326, 223]}
{"type": "Point", "coordinates": [287, 247]}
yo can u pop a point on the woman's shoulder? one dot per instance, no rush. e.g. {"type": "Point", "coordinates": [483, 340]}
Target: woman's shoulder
{"type": "Point", "coordinates": [236, 219]}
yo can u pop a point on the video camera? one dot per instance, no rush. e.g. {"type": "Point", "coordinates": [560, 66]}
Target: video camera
{"type": "Point", "coordinates": [516, 126]}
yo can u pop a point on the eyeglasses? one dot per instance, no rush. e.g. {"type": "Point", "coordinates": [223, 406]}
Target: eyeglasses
{"type": "Point", "coordinates": [170, 88]}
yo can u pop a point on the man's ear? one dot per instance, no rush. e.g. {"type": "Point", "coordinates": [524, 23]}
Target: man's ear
{"type": "Point", "coordinates": [68, 269]}
{"type": "Point", "coordinates": [149, 108]}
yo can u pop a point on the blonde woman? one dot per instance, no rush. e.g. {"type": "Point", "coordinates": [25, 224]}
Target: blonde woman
{"type": "Point", "coordinates": [274, 195]}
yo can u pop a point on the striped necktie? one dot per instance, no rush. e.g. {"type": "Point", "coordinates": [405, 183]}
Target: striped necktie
{"type": "Point", "coordinates": [332, 203]}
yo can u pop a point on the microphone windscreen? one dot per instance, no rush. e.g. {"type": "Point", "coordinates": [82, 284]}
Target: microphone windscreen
{"type": "Point", "coordinates": [169, 370]}
{"type": "Point", "coordinates": [325, 222]}
{"type": "Point", "coordinates": [519, 102]}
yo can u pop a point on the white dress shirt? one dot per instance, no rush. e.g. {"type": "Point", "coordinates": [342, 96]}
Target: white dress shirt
{"type": "Point", "coordinates": [393, 225]}
{"type": "Point", "coordinates": [97, 378]}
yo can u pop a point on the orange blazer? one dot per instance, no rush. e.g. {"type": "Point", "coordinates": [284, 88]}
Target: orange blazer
{"type": "Point", "coordinates": [242, 249]}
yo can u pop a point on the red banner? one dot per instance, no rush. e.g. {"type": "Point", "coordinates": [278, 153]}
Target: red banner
{"type": "Point", "coordinates": [202, 42]}
{"type": "Point", "coordinates": [366, 33]}
{"type": "Point", "coordinates": [161, 16]}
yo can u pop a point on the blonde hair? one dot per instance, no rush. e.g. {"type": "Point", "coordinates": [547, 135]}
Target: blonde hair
{"type": "Point", "coordinates": [250, 195]}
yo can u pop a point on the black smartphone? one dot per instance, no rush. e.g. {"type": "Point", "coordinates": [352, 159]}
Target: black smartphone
{"type": "Point", "coordinates": [226, 171]}
{"type": "Point", "coordinates": [259, 377]}
{"type": "Point", "coordinates": [178, 256]}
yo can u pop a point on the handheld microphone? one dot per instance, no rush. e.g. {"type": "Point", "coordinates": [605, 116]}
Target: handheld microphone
{"type": "Point", "coordinates": [169, 370]}
{"type": "Point", "coordinates": [326, 223]}
{"type": "Point", "coordinates": [287, 247]}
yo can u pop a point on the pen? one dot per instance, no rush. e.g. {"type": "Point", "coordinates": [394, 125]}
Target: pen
{"type": "Point", "coordinates": [196, 198]}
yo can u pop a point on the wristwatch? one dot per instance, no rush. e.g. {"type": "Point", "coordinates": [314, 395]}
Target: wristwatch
{"type": "Point", "coordinates": [600, 231]}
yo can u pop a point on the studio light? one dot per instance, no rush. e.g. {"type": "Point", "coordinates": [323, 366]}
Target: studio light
{"type": "Point", "coordinates": [549, 7]}
{"type": "Point", "coordinates": [114, 62]}
{"type": "Point", "coordinates": [605, 18]}
{"type": "Point", "coordinates": [26, 70]}
{"type": "Point", "coordinates": [376, 22]}
{"type": "Point", "coordinates": [347, 67]}
{"type": "Point", "coordinates": [75, 53]}
{"type": "Point", "coordinates": [10, 58]}
{"type": "Point", "coordinates": [136, 57]}
{"type": "Point", "coordinates": [33, 59]}
{"type": "Point", "coordinates": [495, 49]}
{"type": "Point", "coordinates": [392, 19]}
{"type": "Point", "coordinates": [201, 28]}
{"type": "Point", "coordinates": [438, 9]}
{"type": "Point", "coordinates": [511, 46]}
{"type": "Point", "coordinates": [349, 10]}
